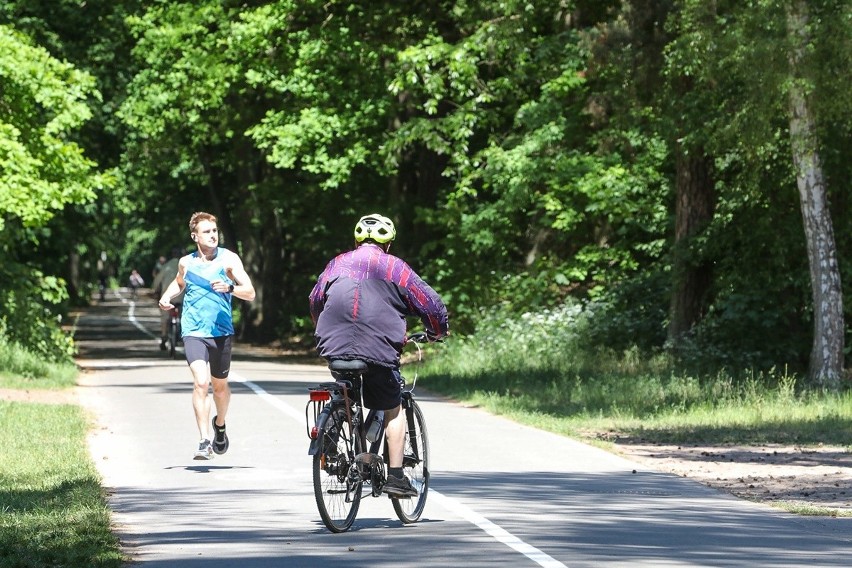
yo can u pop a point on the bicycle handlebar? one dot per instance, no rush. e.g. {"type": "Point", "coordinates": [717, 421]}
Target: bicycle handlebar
{"type": "Point", "coordinates": [420, 337]}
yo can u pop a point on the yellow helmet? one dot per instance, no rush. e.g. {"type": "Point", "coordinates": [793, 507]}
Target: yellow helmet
{"type": "Point", "coordinates": [375, 227]}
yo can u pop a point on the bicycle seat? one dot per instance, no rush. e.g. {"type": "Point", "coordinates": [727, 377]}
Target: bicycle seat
{"type": "Point", "coordinates": [347, 366]}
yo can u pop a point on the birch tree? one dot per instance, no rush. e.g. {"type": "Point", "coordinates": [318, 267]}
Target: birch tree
{"type": "Point", "coordinates": [826, 362]}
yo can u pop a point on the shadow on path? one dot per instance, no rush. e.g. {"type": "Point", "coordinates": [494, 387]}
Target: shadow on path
{"type": "Point", "coordinates": [121, 328]}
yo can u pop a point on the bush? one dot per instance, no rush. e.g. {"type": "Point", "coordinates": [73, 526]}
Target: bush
{"type": "Point", "coordinates": [29, 313]}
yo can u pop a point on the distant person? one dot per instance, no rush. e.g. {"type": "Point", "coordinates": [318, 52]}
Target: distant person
{"type": "Point", "coordinates": [209, 278]}
{"type": "Point", "coordinates": [102, 284]}
{"type": "Point", "coordinates": [102, 275]}
{"type": "Point", "coordinates": [158, 266]}
{"type": "Point", "coordinates": [359, 305]}
{"type": "Point", "coordinates": [168, 272]}
{"type": "Point", "coordinates": [136, 281]}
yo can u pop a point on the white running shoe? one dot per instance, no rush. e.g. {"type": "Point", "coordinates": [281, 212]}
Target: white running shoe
{"type": "Point", "coordinates": [204, 451]}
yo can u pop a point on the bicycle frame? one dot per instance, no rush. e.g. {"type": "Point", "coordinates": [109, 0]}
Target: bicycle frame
{"type": "Point", "coordinates": [346, 394]}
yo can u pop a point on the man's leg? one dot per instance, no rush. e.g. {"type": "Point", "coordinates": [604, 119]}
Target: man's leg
{"type": "Point", "coordinates": [395, 433]}
{"type": "Point", "coordinates": [200, 401]}
{"type": "Point", "coordinates": [397, 484]}
{"type": "Point", "coordinates": [220, 366]}
{"type": "Point", "coordinates": [222, 399]}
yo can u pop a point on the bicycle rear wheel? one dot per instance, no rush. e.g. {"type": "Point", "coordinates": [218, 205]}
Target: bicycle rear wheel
{"type": "Point", "coordinates": [337, 488]}
{"type": "Point", "coordinates": [415, 464]}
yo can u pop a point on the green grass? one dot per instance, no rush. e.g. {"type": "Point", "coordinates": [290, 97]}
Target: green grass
{"type": "Point", "coordinates": [21, 369]}
{"type": "Point", "coordinates": [810, 420]}
{"type": "Point", "coordinates": [54, 510]}
{"type": "Point", "coordinates": [534, 371]}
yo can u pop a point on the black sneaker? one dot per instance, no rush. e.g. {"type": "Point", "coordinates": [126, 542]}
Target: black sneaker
{"type": "Point", "coordinates": [220, 439]}
{"type": "Point", "coordinates": [162, 345]}
{"type": "Point", "coordinates": [399, 488]}
{"type": "Point", "coordinates": [204, 451]}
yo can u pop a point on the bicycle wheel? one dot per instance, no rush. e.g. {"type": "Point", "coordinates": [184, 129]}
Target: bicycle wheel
{"type": "Point", "coordinates": [337, 486]}
{"type": "Point", "coordinates": [172, 337]}
{"type": "Point", "coordinates": [415, 464]}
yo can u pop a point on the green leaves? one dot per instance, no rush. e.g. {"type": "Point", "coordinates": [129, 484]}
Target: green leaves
{"type": "Point", "coordinates": [42, 101]}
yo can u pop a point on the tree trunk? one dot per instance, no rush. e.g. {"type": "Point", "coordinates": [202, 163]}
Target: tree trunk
{"type": "Point", "coordinates": [694, 209]}
{"type": "Point", "coordinates": [826, 363]}
{"type": "Point", "coordinates": [74, 287]}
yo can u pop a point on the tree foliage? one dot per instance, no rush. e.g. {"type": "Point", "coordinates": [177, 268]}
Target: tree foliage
{"type": "Point", "coordinates": [43, 101]}
{"type": "Point", "coordinates": [532, 153]}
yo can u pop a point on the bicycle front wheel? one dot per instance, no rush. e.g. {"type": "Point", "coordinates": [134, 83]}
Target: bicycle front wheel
{"type": "Point", "coordinates": [173, 331]}
{"type": "Point", "coordinates": [337, 488]}
{"type": "Point", "coordinates": [415, 464]}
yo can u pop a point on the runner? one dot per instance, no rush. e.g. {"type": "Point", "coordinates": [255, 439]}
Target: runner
{"type": "Point", "coordinates": [209, 278]}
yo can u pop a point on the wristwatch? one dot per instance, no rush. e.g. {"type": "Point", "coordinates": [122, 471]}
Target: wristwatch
{"type": "Point", "coordinates": [230, 288]}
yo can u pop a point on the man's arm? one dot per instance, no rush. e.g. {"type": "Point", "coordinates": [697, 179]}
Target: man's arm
{"type": "Point", "coordinates": [174, 288]}
{"type": "Point", "coordinates": [316, 299]}
{"type": "Point", "coordinates": [427, 304]}
{"type": "Point", "coordinates": [243, 288]}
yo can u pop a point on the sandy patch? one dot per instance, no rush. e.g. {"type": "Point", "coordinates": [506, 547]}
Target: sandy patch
{"type": "Point", "coordinates": [817, 477]}
{"type": "Point", "coordinates": [41, 396]}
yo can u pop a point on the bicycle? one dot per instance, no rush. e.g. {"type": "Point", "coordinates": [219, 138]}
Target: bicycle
{"type": "Point", "coordinates": [173, 335]}
{"type": "Point", "coordinates": [350, 451]}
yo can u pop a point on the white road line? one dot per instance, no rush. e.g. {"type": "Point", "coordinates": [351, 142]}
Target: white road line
{"type": "Point", "coordinates": [277, 403]}
{"type": "Point", "coordinates": [131, 317]}
{"type": "Point", "coordinates": [497, 532]}
{"type": "Point", "coordinates": [463, 511]}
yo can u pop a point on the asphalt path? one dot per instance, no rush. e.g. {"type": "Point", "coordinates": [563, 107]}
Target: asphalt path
{"type": "Point", "coordinates": [501, 493]}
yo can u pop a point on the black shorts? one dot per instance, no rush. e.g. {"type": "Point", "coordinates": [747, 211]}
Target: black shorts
{"type": "Point", "coordinates": [214, 350]}
{"type": "Point", "coordinates": [382, 387]}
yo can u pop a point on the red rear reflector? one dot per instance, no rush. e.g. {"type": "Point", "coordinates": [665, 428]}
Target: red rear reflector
{"type": "Point", "coordinates": [319, 395]}
{"type": "Point", "coordinates": [314, 433]}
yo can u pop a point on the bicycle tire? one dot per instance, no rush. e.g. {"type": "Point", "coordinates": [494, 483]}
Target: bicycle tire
{"type": "Point", "coordinates": [172, 338]}
{"type": "Point", "coordinates": [333, 484]}
{"type": "Point", "coordinates": [415, 465]}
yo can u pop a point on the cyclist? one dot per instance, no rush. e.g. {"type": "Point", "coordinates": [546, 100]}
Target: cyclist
{"type": "Point", "coordinates": [210, 277]}
{"type": "Point", "coordinates": [167, 273]}
{"type": "Point", "coordinates": [359, 305]}
{"type": "Point", "coordinates": [135, 282]}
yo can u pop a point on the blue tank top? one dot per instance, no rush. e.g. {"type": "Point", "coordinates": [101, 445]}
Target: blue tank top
{"type": "Point", "coordinates": [206, 313]}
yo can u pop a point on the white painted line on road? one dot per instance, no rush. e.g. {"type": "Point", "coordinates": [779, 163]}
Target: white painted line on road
{"type": "Point", "coordinates": [131, 317]}
{"type": "Point", "coordinates": [277, 403]}
{"type": "Point", "coordinates": [497, 532]}
{"type": "Point", "coordinates": [463, 511]}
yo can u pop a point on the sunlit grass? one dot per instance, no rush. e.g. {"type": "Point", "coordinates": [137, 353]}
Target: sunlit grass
{"type": "Point", "coordinates": [54, 511]}
{"type": "Point", "coordinates": [807, 510]}
{"type": "Point", "coordinates": [22, 369]}
{"type": "Point", "coordinates": [810, 420]}
{"type": "Point", "coordinates": [539, 375]}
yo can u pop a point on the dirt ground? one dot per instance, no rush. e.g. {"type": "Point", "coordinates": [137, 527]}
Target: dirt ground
{"type": "Point", "coordinates": [798, 476]}
{"type": "Point", "coordinates": [816, 477]}
{"type": "Point", "coordinates": [40, 396]}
